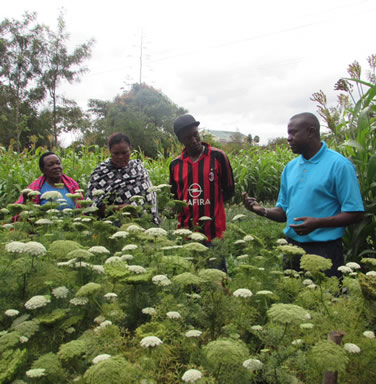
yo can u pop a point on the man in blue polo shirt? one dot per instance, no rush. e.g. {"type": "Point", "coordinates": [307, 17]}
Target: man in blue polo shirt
{"type": "Point", "coordinates": [319, 194]}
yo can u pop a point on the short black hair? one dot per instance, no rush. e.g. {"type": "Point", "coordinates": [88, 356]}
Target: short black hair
{"type": "Point", "coordinates": [117, 138]}
{"type": "Point", "coordinates": [41, 159]}
{"type": "Point", "coordinates": [309, 119]}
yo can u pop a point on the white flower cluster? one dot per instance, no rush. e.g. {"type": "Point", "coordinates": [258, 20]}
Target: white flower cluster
{"type": "Point", "coordinates": [197, 236]}
{"type": "Point", "coordinates": [99, 250]}
{"type": "Point", "coordinates": [126, 257]}
{"type": "Point", "coordinates": [113, 259]}
{"type": "Point", "coordinates": [156, 232]}
{"type": "Point", "coordinates": [193, 333]}
{"type": "Point", "coordinates": [37, 302]}
{"type": "Point", "coordinates": [43, 222]}
{"type": "Point", "coordinates": [173, 315]}
{"type": "Point", "coordinates": [11, 312]}
{"type": "Point", "coordinates": [371, 273]}
{"type": "Point", "coordinates": [351, 348]}
{"type": "Point", "coordinates": [369, 334]}
{"type": "Point", "coordinates": [253, 364]}
{"type": "Point", "coordinates": [243, 292]}
{"type": "Point", "coordinates": [60, 292]}
{"type": "Point", "coordinates": [37, 372]}
{"type": "Point", "coordinates": [344, 269]}
{"type": "Point", "coordinates": [161, 280]}
{"type": "Point", "coordinates": [79, 301]}
{"type": "Point", "coordinates": [149, 311]}
{"type": "Point", "coordinates": [51, 195]}
{"type": "Point", "coordinates": [34, 248]}
{"type": "Point", "coordinates": [182, 232]}
{"type": "Point", "coordinates": [129, 247]}
{"type": "Point", "coordinates": [248, 238]}
{"type": "Point", "coordinates": [110, 295]}
{"type": "Point", "coordinates": [15, 247]}
{"type": "Point", "coordinates": [136, 269]}
{"type": "Point", "coordinates": [191, 376]}
{"type": "Point", "coordinates": [150, 341]}
{"type": "Point", "coordinates": [119, 235]}
{"type": "Point", "coordinates": [135, 228]}
{"type": "Point", "coordinates": [99, 358]}
{"type": "Point", "coordinates": [353, 265]}
{"type": "Point", "coordinates": [23, 339]}
{"type": "Point", "coordinates": [257, 328]}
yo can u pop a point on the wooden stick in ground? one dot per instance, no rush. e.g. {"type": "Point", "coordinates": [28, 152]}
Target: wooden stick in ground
{"type": "Point", "coordinates": [331, 377]}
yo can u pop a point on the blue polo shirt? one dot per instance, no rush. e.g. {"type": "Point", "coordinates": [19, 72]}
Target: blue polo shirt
{"type": "Point", "coordinates": [322, 186]}
{"type": "Point", "coordinates": [47, 187]}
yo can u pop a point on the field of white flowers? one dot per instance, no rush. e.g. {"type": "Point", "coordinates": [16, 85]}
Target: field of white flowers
{"type": "Point", "coordinates": [88, 301]}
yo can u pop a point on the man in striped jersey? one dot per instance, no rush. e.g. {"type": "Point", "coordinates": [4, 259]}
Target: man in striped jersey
{"type": "Point", "coordinates": [202, 177]}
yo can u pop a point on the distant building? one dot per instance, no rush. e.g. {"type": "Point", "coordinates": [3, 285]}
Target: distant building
{"type": "Point", "coordinates": [225, 136]}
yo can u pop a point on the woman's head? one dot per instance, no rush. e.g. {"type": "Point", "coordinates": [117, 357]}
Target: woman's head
{"type": "Point", "coordinates": [120, 149]}
{"type": "Point", "coordinates": [51, 167]}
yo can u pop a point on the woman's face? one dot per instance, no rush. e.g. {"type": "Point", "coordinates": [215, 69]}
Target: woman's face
{"type": "Point", "coordinates": [120, 154]}
{"type": "Point", "coordinates": [52, 168]}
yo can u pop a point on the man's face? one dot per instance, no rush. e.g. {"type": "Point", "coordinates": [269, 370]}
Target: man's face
{"type": "Point", "coordinates": [298, 136]}
{"type": "Point", "coordinates": [190, 138]}
{"type": "Point", "coordinates": [52, 168]}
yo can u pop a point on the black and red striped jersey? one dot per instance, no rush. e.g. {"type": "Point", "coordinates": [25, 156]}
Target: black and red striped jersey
{"type": "Point", "coordinates": [204, 185]}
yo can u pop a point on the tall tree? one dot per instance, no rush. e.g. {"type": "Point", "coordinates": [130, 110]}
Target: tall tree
{"type": "Point", "coordinates": [60, 65]}
{"type": "Point", "coordinates": [145, 114]}
{"type": "Point", "coordinates": [21, 49]}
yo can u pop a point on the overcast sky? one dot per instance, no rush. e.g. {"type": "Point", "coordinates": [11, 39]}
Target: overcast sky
{"type": "Point", "coordinates": [235, 65]}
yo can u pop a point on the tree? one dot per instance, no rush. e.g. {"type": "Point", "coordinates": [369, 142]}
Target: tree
{"type": "Point", "coordinates": [61, 65]}
{"type": "Point", "coordinates": [145, 114]}
{"type": "Point", "coordinates": [21, 50]}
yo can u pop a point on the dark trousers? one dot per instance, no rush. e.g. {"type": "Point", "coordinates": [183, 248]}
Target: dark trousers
{"type": "Point", "coordinates": [332, 250]}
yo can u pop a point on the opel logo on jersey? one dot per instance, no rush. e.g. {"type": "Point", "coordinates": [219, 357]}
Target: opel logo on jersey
{"type": "Point", "coordinates": [195, 190]}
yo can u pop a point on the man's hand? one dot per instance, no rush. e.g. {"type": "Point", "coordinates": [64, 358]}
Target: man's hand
{"type": "Point", "coordinates": [309, 225]}
{"type": "Point", "coordinates": [252, 205]}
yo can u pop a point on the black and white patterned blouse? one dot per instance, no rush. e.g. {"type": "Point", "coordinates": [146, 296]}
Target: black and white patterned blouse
{"type": "Point", "coordinates": [120, 184]}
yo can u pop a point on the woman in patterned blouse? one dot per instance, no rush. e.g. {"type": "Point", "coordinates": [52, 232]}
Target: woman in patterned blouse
{"type": "Point", "coordinates": [120, 179]}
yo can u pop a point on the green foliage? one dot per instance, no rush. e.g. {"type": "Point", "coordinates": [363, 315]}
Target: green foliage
{"type": "Point", "coordinates": [113, 370]}
{"type": "Point", "coordinates": [10, 363]}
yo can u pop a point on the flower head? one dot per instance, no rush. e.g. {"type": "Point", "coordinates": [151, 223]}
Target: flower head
{"type": "Point", "coordinates": [253, 364]}
{"type": "Point", "coordinates": [110, 295]}
{"type": "Point", "coordinates": [129, 247]}
{"type": "Point", "coordinates": [51, 195]}
{"type": "Point", "coordinates": [264, 292]}
{"type": "Point", "coordinates": [243, 292]}
{"type": "Point", "coordinates": [193, 333]}
{"type": "Point", "coordinates": [182, 232]}
{"type": "Point", "coordinates": [173, 315]}
{"type": "Point", "coordinates": [102, 357]}
{"type": "Point", "coordinates": [11, 312]}
{"type": "Point", "coordinates": [156, 232]}
{"type": "Point", "coordinates": [15, 247]}
{"type": "Point", "coordinates": [344, 269]}
{"type": "Point", "coordinates": [37, 302]}
{"type": "Point", "coordinates": [353, 265]}
{"type": "Point", "coordinates": [149, 311]}
{"type": "Point", "coordinates": [98, 192]}
{"type": "Point", "coordinates": [99, 250]}
{"type": "Point", "coordinates": [161, 280]}
{"type": "Point", "coordinates": [135, 228]}
{"type": "Point", "coordinates": [37, 372]}
{"type": "Point", "coordinates": [119, 235]}
{"type": "Point", "coordinates": [60, 292]}
{"type": "Point", "coordinates": [191, 376]}
{"type": "Point", "coordinates": [257, 328]}
{"type": "Point", "coordinates": [351, 348]}
{"type": "Point", "coordinates": [34, 248]}
{"type": "Point", "coordinates": [150, 341]}
{"type": "Point", "coordinates": [369, 334]}
{"type": "Point", "coordinates": [197, 236]}
{"type": "Point", "coordinates": [136, 269]}
{"type": "Point", "coordinates": [43, 222]}
{"type": "Point", "coordinates": [79, 301]}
